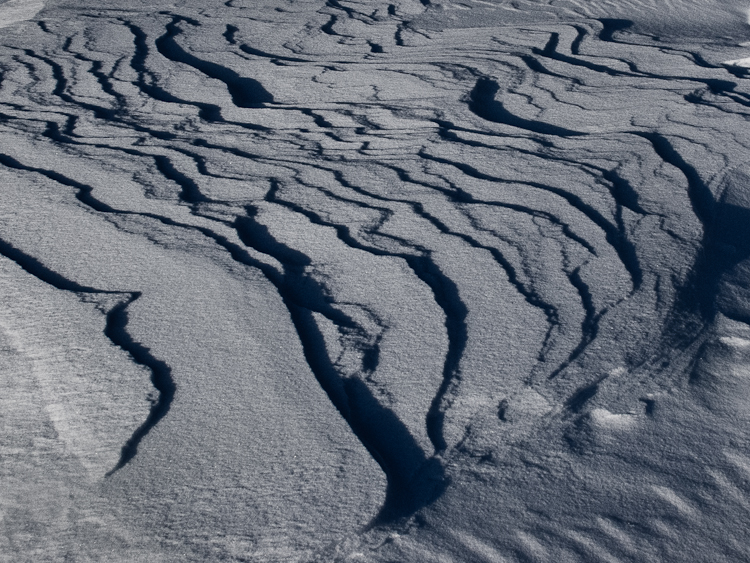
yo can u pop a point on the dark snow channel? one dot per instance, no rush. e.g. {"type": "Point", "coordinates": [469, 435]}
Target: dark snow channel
{"type": "Point", "coordinates": [356, 281]}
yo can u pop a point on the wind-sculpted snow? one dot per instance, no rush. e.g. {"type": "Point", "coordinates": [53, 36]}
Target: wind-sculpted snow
{"type": "Point", "coordinates": [351, 281]}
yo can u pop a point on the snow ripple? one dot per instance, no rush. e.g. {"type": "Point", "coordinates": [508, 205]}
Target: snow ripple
{"type": "Point", "coordinates": [411, 280]}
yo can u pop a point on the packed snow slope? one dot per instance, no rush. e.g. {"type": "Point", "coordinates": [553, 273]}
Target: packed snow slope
{"type": "Point", "coordinates": [338, 281]}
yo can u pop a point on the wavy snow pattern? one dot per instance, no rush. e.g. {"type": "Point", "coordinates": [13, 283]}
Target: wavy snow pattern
{"type": "Point", "coordinates": [413, 280]}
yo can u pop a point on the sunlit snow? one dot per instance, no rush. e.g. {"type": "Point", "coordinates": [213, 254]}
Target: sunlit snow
{"type": "Point", "coordinates": [337, 281]}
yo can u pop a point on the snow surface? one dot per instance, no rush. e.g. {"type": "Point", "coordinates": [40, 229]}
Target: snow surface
{"type": "Point", "coordinates": [14, 11]}
{"type": "Point", "coordinates": [348, 281]}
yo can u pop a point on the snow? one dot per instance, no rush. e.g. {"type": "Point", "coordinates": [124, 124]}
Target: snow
{"type": "Point", "coordinates": [739, 62]}
{"type": "Point", "coordinates": [358, 281]}
{"type": "Point", "coordinates": [14, 11]}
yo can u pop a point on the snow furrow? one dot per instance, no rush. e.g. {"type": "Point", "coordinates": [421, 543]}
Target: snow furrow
{"type": "Point", "coordinates": [446, 296]}
{"type": "Point", "coordinates": [614, 237]}
{"type": "Point", "coordinates": [116, 331]}
{"type": "Point", "coordinates": [389, 442]}
{"type": "Point", "coordinates": [246, 92]}
{"type": "Point", "coordinates": [416, 281]}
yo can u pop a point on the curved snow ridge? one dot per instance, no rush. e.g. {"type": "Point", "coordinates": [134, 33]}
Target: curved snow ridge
{"type": "Point", "coordinates": [744, 63]}
{"type": "Point", "coordinates": [114, 305]}
{"type": "Point", "coordinates": [14, 11]}
{"type": "Point", "coordinates": [441, 275]}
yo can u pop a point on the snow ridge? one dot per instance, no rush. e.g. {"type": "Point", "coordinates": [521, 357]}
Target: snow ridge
{"type": "Point", "coordinates": [413, 281]}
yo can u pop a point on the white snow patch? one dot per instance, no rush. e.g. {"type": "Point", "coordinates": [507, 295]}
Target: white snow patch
{"type": "Point", "coordinates": [745, 63]}
{"type": "Point", "coordinates": [602, 418]}
{"type": "Point", "coordinates": [534, 547]}
{"type": "Point", "coordinates": [674, 499]}
{"type": "Point", "coordinates": [735, 341]}
{"type": "Point", "coordinates": [16, 11]}
{"type": "Point", "coordinates": [738, 460]}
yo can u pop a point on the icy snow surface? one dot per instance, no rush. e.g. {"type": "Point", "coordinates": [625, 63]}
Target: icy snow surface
{"type": "Point", "coordinates": [357, 281]}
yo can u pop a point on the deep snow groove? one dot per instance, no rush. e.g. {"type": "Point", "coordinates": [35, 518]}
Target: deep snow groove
{"type": "Point", "coordinates": [161, 376]}
{"type": "Point", "coordinates": [701, 198]}
{"type": "Point", "coordinates": [623, 193]}
{"type": "Point", "coordinates": [391, 445]}
{"type": "Point", "coordinates": [148, 83]}
{"type": "Point", "coordinates": [116, 331]}
{"type": "Point", "coordinates": [531, 296]}
{"type": "Point", "coordinates": [413, 480]}
{"type": "Point", "coordinates": [589, 326]}
{"type": "Point", "coordinates": [575, 46]}
{"type": "Point", "coordinates": [327, 28]}
{"type": "Point", "coordinates": [34, 267]}
{"type": "Point", "coordinates": [615, 238]}
{"type": "Point", "coordinates": [482, 102]}
{"type": "Point", "coordinates": [611, 26]}
{"type": "Point", "coordinates": [579, 399]}
{"type": "Point", "coordinates": [444, 290]}
{"type": "Point", "coordinates": [245, 92]}
{"type": "Point", "coordinates": [718, 87]}
{"type": "Point", "coordinates": [83, 192]}
{"type": "Point", "coordinates": [189, 190]}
